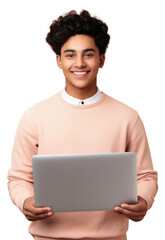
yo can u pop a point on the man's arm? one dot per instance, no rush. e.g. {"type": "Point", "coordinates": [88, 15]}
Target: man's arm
{"type": "Point", "coordinates": [146, 176]}
{"type": "Point", "coordinates": [20, 174]}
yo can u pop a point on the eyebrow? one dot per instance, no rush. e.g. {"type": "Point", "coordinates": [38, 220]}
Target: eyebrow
{"type": "Point", "coordinates": [85, 50]}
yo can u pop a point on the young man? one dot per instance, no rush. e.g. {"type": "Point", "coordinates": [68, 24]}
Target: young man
{"type": "Point", "coordinates": [80, 119]}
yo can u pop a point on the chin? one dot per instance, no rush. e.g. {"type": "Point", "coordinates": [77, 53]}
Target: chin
{"type": "Point", "coordinates": [81, 85]}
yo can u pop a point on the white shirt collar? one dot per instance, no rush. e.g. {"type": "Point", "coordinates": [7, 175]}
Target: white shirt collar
{"type": "Point", "coordinates": [81, 102]}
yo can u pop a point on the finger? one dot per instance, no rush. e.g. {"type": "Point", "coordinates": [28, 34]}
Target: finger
{"type": "Point", "coordinates": [135, 219]}
{"type": "Point", "coordinates": [29, 205]}
{"type": "Point", "coordinates": [130, 213]}
{"type": "Point", "coordinates": [37, 210]}
{"type": "Point", "coordinates": [136, 207]}
{"type": "Point", "coordinates": [139, 206]}
{"type": "Point", "coordinates": [33, 217]}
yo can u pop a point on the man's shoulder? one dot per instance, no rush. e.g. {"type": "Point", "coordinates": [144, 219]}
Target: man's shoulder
{"type": "Point", "coordinates": [119, 108]}
{"type": "Point", "coordinates": [118, 104]}
{"type": "Point", "coordinates": [43, 106]}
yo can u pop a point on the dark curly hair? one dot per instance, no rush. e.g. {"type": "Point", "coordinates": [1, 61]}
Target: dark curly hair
{"type": "Point", "coordinates": [71, 24]}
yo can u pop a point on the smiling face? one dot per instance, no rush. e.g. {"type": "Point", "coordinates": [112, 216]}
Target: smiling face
{"type": "Point", "coordinates": [80, 62]}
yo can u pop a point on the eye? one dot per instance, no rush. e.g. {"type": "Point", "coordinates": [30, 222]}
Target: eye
{"type": "Point", "coordinates": [89, 55]}
{"type": "Point", "coordinates": [70, 55]}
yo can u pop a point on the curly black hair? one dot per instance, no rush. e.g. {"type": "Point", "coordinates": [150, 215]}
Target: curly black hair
{"type": "Point", "coordinates": [71, 24]}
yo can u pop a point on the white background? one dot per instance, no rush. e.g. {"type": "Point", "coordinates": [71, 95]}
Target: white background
{"type": "Point", "coordinates": [134, 73]}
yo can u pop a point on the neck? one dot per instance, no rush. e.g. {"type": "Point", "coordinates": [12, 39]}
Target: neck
{"type": "Point", "coordinates": [81, 93]}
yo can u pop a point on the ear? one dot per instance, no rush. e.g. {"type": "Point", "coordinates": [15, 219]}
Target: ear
{"type": "Point", "coordinates": [102, 60]}
{"type": "Point", "coordinates": [58, 59]}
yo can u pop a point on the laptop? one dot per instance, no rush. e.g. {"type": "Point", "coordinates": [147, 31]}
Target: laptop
{"type": "Point", "coordinates": [85, 182]}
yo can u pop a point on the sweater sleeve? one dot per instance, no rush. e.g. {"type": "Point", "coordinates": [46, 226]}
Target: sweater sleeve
{"type": "Point", "coordinates": [20, 175]}
{"type": "Point", "coordinates": [146, 176]}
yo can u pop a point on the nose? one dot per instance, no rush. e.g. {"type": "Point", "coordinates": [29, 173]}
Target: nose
{"type": "Point", "coordinates": [80, 62]}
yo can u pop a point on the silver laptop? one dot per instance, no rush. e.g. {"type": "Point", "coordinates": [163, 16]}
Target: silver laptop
{"type": "Point", "coordinates": [85, 182]}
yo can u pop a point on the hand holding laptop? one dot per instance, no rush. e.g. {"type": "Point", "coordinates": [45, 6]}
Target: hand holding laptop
{"type": "Point", "coordinates": [33, 213]}
{"type": "Point", "coordinates": [134, 212]}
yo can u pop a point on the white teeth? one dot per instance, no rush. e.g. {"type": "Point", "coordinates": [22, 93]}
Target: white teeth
{"type": "Point", "coordinates": [79, 73]}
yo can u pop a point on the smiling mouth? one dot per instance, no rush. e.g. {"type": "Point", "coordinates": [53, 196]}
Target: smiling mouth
{"type": "Point", "coordinates": [80, 74]}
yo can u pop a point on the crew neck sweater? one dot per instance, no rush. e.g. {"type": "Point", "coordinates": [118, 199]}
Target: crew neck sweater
{"type": "Point", "coordinates": [55, 126]}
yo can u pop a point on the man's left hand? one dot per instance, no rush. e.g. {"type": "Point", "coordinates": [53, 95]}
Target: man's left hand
{"type": "Point", "coordinates": [135, 212]}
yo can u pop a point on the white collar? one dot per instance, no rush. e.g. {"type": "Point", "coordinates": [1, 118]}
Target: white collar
{"type": "Point", "coordinates": [79, 102]}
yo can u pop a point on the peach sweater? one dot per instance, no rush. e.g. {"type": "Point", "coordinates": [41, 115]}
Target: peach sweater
{"type": "Point", "coordinates": [57, 127]}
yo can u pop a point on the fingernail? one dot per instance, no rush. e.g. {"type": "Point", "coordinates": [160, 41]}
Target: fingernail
{"type": "Point", "coordinates": [116, 209]}
{"type": "Point", "coordinates": [50, 213]}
